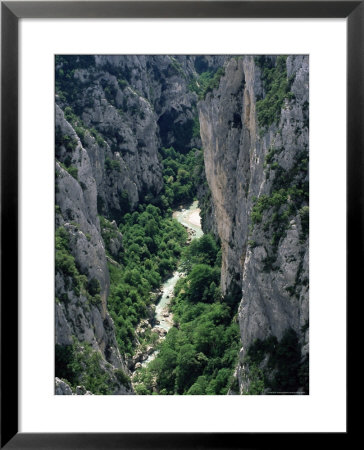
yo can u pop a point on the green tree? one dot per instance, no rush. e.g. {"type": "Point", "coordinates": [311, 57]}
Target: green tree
{"type": "Point", "coordinates": [200, 278]}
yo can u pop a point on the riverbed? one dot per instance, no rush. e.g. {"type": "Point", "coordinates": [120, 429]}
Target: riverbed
{"type": "Point", "coordinates": [190, 219]}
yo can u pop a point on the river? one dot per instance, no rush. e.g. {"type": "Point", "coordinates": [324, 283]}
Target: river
{"type": "Point", "coordinates": [189, 218]}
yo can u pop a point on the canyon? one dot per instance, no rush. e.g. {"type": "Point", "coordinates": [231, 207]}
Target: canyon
{"type": "Point", "coordinates": [138, 137]}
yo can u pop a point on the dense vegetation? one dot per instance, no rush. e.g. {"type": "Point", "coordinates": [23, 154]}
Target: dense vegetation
{"type": "Point", "coordinates": [78, 364]}
{"type": "Point", "coordinates": [181, 176]}
{"type": "Point", "coordinates": [152, 244]}
{"type": "Point", "coordinates": [289, 196]}
{"type": "Point", "coordinates": [276, 87]}
{"type": "Point", "coordinates": [75, 280]}
{"type": "Point", "coordinates": [200, 351]}
{"type": "Point", "coordinates": [206, 82]}
{"type": "Point", "coordinates": [67, 86]}
{"type": "Point", "coordinates": [284, 371]}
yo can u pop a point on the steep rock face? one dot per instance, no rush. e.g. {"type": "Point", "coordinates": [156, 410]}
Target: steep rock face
{"type": "Point", "coordinates": [122, 147]}
{"type": "Point", "coordinates": [62, 388]}
{"type": "Point", "coordinates": [163, 81]}
{"type": "Point", "coordinates": [112, 115]}
{"type": "Point", "coordinates": [256, 169]}
{"type": "Point", "coordinates": [82, 278]}
{"type": "Point", "coordinates": [131, 106]}
{"type": "Point", "coordinates": [226, 166]}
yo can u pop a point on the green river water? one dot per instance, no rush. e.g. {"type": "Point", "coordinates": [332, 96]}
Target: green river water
{"type": "Point", "coordinates": [190, 218]}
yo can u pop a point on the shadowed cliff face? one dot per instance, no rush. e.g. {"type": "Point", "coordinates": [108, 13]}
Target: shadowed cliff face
{"type": "Point", "coordinates": [256, 162]}
{"type": "Point", "coordinates": [123, 108]}
{"type": "Point", "coordinates": [113, 113]}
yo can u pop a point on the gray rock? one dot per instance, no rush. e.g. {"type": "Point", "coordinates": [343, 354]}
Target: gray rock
{"type": "Point", "coordinates": [76, 315]}
{"type": "Point", "coordinates": [128, 107]}
{"type": "Point", "coordinates": [81, 390]}
{"type": "Point", "coordinates": [62, 388]}
{"type": "Point", "coordinates": [234, 153]}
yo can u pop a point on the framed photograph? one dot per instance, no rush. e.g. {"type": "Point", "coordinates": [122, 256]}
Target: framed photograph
{"type": "Point", "coordinates": [181, 224]}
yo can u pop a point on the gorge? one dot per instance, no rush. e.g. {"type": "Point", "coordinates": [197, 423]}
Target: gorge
{"type": "Point", "coordinates": [138, 139]}
{"type": "Point", "coordinates": [163, 318]}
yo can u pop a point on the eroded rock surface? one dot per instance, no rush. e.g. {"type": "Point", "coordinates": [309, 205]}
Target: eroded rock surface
{"type": "Point", "coordinates": [264, 250]}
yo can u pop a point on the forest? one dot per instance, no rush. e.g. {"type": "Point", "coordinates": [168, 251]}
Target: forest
{"type": "Point", "coordinates": [199, 353]}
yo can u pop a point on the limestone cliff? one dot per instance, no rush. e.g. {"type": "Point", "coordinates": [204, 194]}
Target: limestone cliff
{"type": "Point", "coordinates": [254, 131]}
{"type": "Point", "coordinates": [82, 278]}
{"type": "Point", "coordinates": [113, 113]}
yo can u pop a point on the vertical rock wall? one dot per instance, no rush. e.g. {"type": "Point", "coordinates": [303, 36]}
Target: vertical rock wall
{"type": "Point", "coordinates": [261, 221]}
{"type": "Point", "coordinates": [112, 115]}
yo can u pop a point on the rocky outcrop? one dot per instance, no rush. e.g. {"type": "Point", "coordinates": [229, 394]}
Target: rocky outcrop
{"type": "Point", "coordinates": [62, 388]}
{"type": "Point", "coordinates": [112, 115]}
{"type": "Point", "coordinates": [123, 109]}
{"type": "Point", "coordinates": [163, 81]}
{"type": "Point", "coordinates": [256, 168]}
{"type": "Point", "coordinates": [82, 277]}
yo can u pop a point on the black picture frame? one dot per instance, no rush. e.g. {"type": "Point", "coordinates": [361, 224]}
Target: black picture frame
{"type": "Point", "coordinates": [11, 12]}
